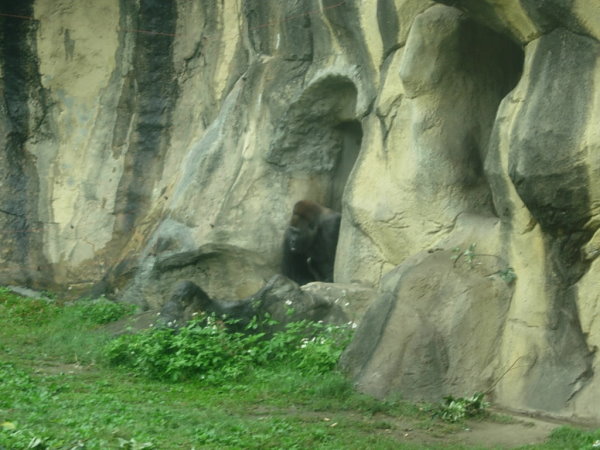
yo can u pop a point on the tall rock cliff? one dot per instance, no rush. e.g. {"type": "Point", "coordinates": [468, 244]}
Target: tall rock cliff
{"type": "Point", "coordinates": [145, 142]}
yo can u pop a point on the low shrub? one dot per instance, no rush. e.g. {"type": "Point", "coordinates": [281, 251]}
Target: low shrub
{"type": "Point", "coordinates": [101, 310]}
{"type": "Point", "coordinates": [207, 349]}
{"type": "Point", "coordinates": [26, 311]}
{"type": "Point", "coordinates": [456, 409]}
{"type": "Point", "coordinates": [40, 311]}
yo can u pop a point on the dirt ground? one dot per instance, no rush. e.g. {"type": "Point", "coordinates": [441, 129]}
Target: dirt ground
{"type": "Point", "coordinates": [501, 430]}
{"type": "Point", "coordinates": [523, 431]}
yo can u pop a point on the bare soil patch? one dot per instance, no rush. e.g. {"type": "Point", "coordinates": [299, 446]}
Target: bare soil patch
{"type": "Point", "coordinates": [519, 431]}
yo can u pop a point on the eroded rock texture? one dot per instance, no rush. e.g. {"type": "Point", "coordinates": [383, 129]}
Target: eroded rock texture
{"type": "Point", "coordinates": [150, 142]}
{"type": "Point", "coordinates": [281, 302]}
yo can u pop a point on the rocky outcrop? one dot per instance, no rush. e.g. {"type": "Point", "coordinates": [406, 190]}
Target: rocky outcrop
{"type": "Point", "coordinates": [151, 142]}
{"type": "Point", "coordinates": [434, 328]}
{"type": "Point", "coordinates": [280, 302]}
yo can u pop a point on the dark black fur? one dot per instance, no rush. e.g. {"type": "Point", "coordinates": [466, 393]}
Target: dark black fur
{"type": "Point", "coordinates": [310, 242]}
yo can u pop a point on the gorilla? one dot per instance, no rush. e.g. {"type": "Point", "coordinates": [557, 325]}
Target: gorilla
{"type": "Point", "coordinates": [309, 243]}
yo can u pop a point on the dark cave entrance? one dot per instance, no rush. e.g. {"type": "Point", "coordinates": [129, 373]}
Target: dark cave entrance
{"type": "Point", "coordinates": [319, 139]}
{"type": "Point", "coordinates": [350, 140]}
{"type": "Point", "coordinates": [316, 144]}
{"type": "Point", "coordinates": [456, 80]}
{"type": "Point", "coordinates": [491, 65]}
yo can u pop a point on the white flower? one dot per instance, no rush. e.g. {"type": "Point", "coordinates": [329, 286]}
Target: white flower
{"type": "Point", "coordinates": [288, 302]}
{"type": "Point", "coordinates": [347, 304]}
{"type": "Point", "coordinates": [596, 444]}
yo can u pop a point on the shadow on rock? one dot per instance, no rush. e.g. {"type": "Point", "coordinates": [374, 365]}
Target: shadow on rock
{"type": "Point", "coordinates": [279, 302]}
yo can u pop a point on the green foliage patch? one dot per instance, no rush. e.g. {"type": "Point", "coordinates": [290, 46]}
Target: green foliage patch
{"type": "Point", "coordinates": [58, 328]}
{"type": "Point", "coordinates": [25, 311]}
{"type": "Point", "coordinates": [566, 437]}
{"type": "Point", "coordinates": [101, 311]}
{"type": "Point", "coordinates": [60, 389]}
{"type": "Point", "coordinates": [506, 273]}
{"type": "Point", "coordinates": [208, 350]}
{"type": "Point", "coordinates": [457, 409]}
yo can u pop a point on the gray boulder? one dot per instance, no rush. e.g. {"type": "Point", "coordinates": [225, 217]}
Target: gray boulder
{"type": "Point", "coordinates": [433, 330]}
{"type": "Point", "coordinates": [281, 300]}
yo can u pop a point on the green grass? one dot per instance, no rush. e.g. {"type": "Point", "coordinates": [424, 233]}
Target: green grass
{"type": "Point", "coordinates": [60, 389]}
{"type": "Point", "coordinates": [103, 408]}
{"type": "Point", "coordinates": [564, 437]}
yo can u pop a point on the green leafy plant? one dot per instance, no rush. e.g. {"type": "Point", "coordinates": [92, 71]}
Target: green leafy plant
{"type": "Point", "coordinates": [49, 295]}
{"type": "Point", "coordinates": [507, 274]}
{"type": "Point", "coordinates": [57, 327]}
{"type": "Point", "coordinates": [101, 310]}
{"type": "Point", "coordinates": [569, 437]}
{"type": "Point", "coordinates": [132, 444]}
{"type": "Point", "coordinates": [469, 254]}
{"type": "Point", "coordinates": [17, 387]}
{"type": "Point", "coordinates": [455, 409]}
{"type": "Point", "coordinates": [29, 310]}
{"type": "Point", "coordinates": [207, 349]}
{"type": "Point", "coordinates": [48, 402]}
{"type": "Point", "coordinates": [26, 310]}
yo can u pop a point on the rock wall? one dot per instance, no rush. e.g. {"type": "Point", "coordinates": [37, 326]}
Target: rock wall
{"type": "Point", "coordinates": [146, 142]}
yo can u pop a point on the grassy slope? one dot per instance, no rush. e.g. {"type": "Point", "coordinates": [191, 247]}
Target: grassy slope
{"type": "Point", "coordinates": [56, 392]}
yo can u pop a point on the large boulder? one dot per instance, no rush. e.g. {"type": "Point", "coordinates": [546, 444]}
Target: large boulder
{"type": "Point", "coordinates": [353, 299]}
{"type": "Point", "coordinates": [223, 271]}
{"type": "Point", "coordinates": [281, 301]}
{"type": "Point", "coordinates": [435, 327]}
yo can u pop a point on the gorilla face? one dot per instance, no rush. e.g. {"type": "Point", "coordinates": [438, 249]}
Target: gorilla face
{"type": "Point", "coordinates": [300, 238]}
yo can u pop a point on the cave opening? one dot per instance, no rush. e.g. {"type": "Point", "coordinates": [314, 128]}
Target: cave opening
{"type": "Point", "coordinates": [350, 138]}
{"type": "Point", "coordinates": [316, 143]}
{"type": "Point", "coordinates": [494, 64]}
{"type": "Point", "coordinates": [319, 139]}
{"type": "Point", "coordinates": [456, 80]}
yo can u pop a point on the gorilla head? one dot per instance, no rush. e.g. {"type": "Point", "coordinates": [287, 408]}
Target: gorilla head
{"type": "Point", "coordinates": [310, 242]}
